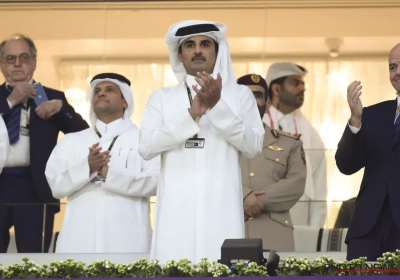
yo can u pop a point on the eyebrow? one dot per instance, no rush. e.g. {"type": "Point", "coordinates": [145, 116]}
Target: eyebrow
{"type": "Point", "coordinates": [392, 64]}
{"type": "Point", "coordinates": [202, 41]}
{"type": "Point", "coordinates": [18, 54]}
{"type": "Point", "coordinates": [299, 81]}
{"type": "Point", "coordinates": [205, 41]}
{"type": "Point", "coordinates": [107, 86]}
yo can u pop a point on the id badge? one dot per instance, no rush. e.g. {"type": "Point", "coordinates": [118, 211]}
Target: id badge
{"type": "Point", "coordinates": [24, 131]}
{"type": "Point", "coordinates": [195, 143]}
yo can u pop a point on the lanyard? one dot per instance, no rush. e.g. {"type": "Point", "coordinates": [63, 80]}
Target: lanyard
{"type": "Point", "coordinates": [112, 142]}
{"type": "Point", "coordinates": [271, 122]}
{"type": "Point", "coordinates": [26, 109]}
{"type": "Point", "coordinates": [191, 102]}
{"type": "Point", "coordinates": [98, 178]}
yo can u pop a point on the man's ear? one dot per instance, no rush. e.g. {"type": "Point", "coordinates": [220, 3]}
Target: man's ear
{"type": "Point", "coordinates": [276, 89]}
{"type": "Point", "coordinates": [180, 56]}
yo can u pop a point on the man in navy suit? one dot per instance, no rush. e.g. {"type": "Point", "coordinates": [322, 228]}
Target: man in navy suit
{"type": "Point", "coordinates": [372, 140]}
{"type": "Point", "coordinates": [33, 131]}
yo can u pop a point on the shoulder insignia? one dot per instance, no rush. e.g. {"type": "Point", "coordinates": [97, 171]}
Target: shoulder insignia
{"type": "Point", "coordinates": [274, 133]}
{"type": "Point", "coordinates": [303, 155]}
{"type": "Point", "coordinates": [288, 134]}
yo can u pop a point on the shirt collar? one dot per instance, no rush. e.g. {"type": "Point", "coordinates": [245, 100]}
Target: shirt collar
{"type": "Point", "coordinates": [279, 115]}
{"type": "Point", "coordinates": [8, 84]}
{"type": "Point", "coordinates": [398, 107]}
{"type": "Point", "coordinates": [103, 128]}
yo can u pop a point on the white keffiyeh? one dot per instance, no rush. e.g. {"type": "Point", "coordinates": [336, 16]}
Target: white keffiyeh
{"type": "Point", "coordinates": [223, 64]}
{"type": "Point", "coordinates": [126, 123]}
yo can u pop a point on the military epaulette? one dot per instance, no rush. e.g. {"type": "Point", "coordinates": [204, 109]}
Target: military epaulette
{"type": "Point", "coordinates": [276, 133]}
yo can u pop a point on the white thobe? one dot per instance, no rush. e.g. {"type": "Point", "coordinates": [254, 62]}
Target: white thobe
{"type": "Point", "coordinates": [112, 216]}
{"type": "Point", "coordinates": [311, 210]}
{"type": "Point", "coordinates": [5, 148]}
{"type": "Point", "coordinates": [199, 196]}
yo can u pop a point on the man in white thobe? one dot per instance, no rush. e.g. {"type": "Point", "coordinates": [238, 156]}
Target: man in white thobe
{"type": "Point", "coordinates": [107, 183]}
{"type": "Point", "coordinates": [199, 128]}
{"type": "Point", "coordinates": [286, 92]}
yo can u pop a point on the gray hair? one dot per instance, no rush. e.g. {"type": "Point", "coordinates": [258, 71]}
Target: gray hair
{"type": "Point", "coordinates": [31, 45]}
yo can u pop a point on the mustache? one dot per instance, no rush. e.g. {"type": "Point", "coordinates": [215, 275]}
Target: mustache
{"type": "Point", "coordinates": [196, 57]}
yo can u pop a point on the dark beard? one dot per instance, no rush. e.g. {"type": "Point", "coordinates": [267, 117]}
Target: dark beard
{"type": "Point", "coordinates": [261, 109]}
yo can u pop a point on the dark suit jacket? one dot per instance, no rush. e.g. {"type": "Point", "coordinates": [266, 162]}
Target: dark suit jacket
{"type": "Point", "coordinates": [43, 135]}
{"type": "Point", "coordinates": [373, 148]}
{"type": "Point", "coordinates": [345, 213]}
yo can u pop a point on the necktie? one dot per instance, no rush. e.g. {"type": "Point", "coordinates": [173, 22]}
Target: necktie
{"type": "Point", "coordinates": [13, 121]}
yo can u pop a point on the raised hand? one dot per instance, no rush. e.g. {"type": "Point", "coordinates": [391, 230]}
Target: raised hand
{"type": "Point", "coordinates": [210, 91]}
{"type": "Point", "coordinates": [21, 92]}
{"type": "Point", "coordinates": [198, 108]}
{"type": "Point", "coordinates": [353, 98]}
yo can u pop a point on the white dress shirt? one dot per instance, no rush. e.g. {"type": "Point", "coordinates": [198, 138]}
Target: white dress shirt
{"type": "Point", "coordinates": [20, 151]}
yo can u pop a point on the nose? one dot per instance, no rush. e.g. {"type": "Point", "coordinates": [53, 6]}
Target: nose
{"type": "Point", "coordinates": [101, 93]}
{"type": "Point", "coordinates": [17, 62]}
{"type": "Point", "coordinates": [198, 49]}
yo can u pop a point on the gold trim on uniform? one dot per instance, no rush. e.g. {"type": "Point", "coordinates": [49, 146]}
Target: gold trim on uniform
{"type": "Point", "coordinates": [288, 134]}
{"type": "Point", "coordinates": [275, 148]}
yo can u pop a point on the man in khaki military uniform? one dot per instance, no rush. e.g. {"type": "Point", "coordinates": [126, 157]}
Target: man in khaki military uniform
{"type": "Point", "coordinates": [273, 182]}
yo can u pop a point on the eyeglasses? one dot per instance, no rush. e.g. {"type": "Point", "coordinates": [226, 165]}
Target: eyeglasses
{"type": "Point", "coordinates": [23, 58]}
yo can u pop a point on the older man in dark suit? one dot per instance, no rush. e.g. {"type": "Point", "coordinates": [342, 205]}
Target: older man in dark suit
{"type": "Point", "coordinates": [371, 141]}
{"type": "Point", "coordinates": [33, 131]}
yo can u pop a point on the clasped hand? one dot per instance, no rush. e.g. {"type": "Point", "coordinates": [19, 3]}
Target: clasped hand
{"type": "Point", "coordinates": [48, 109]}
{"type": "Point", "coordinates": [98, 161]}
{"type": "Point", "coordinates": [207, 96]}
{"type": "Point", "coordinates": [252, 206]}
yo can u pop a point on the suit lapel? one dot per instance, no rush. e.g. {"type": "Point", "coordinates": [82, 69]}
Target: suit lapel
{"type": "Point", "coordinates": [388, 123]}
{"type": "Point", "coordinates": [3, 91]}
{"type": "Point", "coordinates": [32, 113]}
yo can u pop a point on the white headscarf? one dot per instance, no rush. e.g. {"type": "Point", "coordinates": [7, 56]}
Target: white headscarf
{"type": "Point", "coordinates": [223, 64]}
{"type": "Point", "coordinates": [126, 123]}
